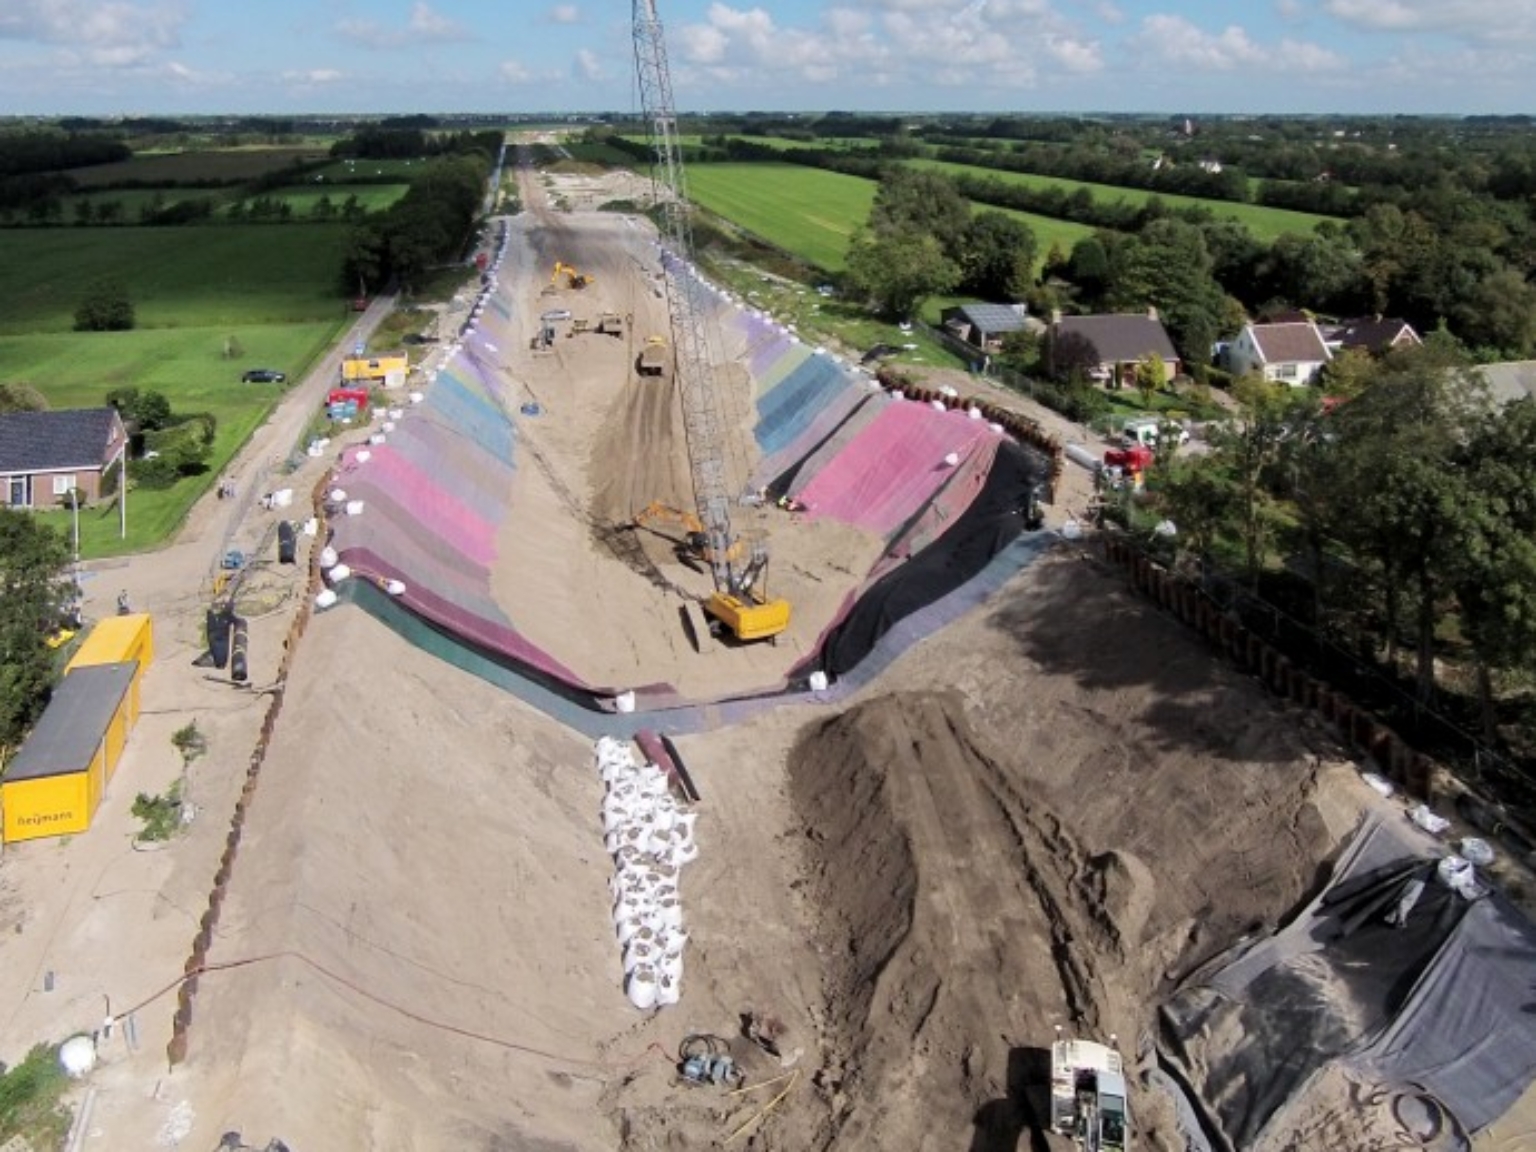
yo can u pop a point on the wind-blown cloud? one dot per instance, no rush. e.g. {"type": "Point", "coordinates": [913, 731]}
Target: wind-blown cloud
{"type": "Point", "coordinates": [426, 24]}
{"type": "Point", "coordinates": [892, 43]}
{"type": "Point", "coordinates": [110, 35]}
{"type": "Point", "coordinates": [1464, 19]}
{"type": "Point", "coordinates": [564, 14]}
{"type": "Point", "coordinates": [1175, 42]}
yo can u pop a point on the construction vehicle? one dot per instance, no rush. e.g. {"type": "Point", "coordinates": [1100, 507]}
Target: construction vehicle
{"type": "Point", "coordinates": [572, 278]}
{"type": "Point", "coordinates": [1088, 1101]}
{"type": "Point", "coordinates": [653, 357]}
{"type": "Point", "coordinates": [693, 545]}
{"type": "Point", "coordinates": [739, 604]}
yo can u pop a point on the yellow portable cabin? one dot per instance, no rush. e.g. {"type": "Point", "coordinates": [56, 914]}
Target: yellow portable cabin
{"type": "Point", "coordinates": [387, 368]}
{"type": "Point", "coordinates": [115, 639]}
{"type": "Point", "coordinates": [54, 784]}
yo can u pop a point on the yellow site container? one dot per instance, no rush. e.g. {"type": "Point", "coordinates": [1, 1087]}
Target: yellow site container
{"type": "Point", "coordinates": [384, 366]}
{"type": "Point", "coordinates": [55, 782]}
{"type": "Point", "coordinates": [115, 639]}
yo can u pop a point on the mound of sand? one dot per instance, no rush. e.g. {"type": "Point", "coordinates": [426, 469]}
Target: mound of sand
{"type": "Point", "coordinates": [963, 906]}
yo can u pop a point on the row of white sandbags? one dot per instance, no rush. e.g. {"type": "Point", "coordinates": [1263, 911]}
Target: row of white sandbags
{"type": "Point", "coordinates": [650, 837]}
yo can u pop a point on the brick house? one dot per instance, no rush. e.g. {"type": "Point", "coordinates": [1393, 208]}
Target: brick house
{"type": "Point", "coordinates": [46, 455]}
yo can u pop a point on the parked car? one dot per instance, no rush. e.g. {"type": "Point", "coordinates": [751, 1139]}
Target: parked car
{"type": "Point", "coordinates": [264, 376]}
{"type": "Point", "coordinates": [1147, 430]}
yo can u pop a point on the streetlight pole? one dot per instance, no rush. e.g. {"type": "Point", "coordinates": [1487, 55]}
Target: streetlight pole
{"type": "Point", "coordinates": [122, 491]}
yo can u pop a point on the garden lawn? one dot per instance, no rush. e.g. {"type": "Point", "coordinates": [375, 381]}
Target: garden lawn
{"type": "Point", "coordinates": [211, 301]}
{"type": "Point", "coordinates": [187, 366]}
{"type": "Point", "coordinates": [1266, 224]}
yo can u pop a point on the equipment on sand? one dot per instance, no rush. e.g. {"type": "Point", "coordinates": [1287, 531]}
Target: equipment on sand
{"type": "Point", "coordinates": [739, 603]}
{"type": "Point", "coordinates": [693, 547]}
{"type": "Point", "coordinates": [652, 360]}
{"type": "Point", "coordinates": [1088, 1100]}
{"type": "Point", "coordinates": [705, 1059]}
{"type": "Point", "coordinates": [573, 278]}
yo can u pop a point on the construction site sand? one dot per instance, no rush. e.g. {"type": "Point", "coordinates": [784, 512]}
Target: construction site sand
{"type": "Point", "coordinates": [573, 578]}
{"type": "Point", "coordinates": [1044, 815]}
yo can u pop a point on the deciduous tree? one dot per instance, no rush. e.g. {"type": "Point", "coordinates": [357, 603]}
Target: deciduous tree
{"type": "Point", "coordinates": [33, 597]}
{"type": "Point", "coordinates": [898, 271]}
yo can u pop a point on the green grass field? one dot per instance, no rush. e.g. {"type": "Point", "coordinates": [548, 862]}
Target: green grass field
{"type": "Point", "coordinates": [187, 277]}
{"type": "Point", "coordinates": [811, 213]}
{"type": "Point", "coordinates": [341, 171]}
{"type": "Point", "coordinates": [1265, 223]}
{"type": "Point", "coordinates": [268, 291]}
{"type": "Point", "coordinates": [226, 165]}
{"type": "Point", "coordinates": [302, 198]}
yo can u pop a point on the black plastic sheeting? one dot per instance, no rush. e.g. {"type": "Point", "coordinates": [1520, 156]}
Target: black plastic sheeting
{"type": "Point", "coordinates": [1439, 1000]}
{"type": "Point", "coordinates": [993, 520]}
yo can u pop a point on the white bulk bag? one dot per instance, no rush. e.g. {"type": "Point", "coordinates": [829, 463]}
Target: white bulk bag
{"type": "Point", "coordinates": [640, 987]}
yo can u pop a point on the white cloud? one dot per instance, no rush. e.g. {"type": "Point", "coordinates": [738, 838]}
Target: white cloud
{"type": "Point", "coordinates": [1174, 42]}
{"type": "Point", "coordinates": [1079, 56]}
{"type": "Point", "coordinates": [588, 67]}
{"type": "Point", "coordinates": [426, 24]}
{"type": "Point", "coordinates": [315, 76]}
{"type": "Point", "coordinates": [564, 14]}
{"type": "Point", "coordinates": [429, 24]}
{"type": "Point", "coordinates": [109, 35]}
{"type": "Point", "coordinates": [1472, 20]}
{"type": "Point", "coordinates": [979, 44]}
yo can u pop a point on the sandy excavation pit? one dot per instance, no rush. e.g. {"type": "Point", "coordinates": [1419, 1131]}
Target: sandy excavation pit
{"type": "Point", "coordinates": [1049, 813]}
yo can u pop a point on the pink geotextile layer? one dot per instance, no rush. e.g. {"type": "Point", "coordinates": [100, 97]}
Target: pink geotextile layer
{"type": "Point", "coordinates": [896, 464]}
{"type": "Point", "coordinates": [429, 504]}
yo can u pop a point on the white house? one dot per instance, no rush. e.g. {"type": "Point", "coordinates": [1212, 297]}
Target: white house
{"type": "Point", "coordinates": [1292, 353]}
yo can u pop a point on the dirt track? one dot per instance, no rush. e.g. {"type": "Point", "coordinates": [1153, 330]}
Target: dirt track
{"type": "Point", "coordinates": [1040, 816]}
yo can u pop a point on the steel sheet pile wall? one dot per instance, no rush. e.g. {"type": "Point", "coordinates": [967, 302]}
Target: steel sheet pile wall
{"type": "Point", "coordinates": [197, 959]}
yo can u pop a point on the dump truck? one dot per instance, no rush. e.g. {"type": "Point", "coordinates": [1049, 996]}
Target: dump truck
{"type": "Point", "coordinates": [654, 357]}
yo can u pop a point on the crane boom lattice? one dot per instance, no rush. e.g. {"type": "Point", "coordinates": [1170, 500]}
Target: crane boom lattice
{"type": "Point", "coordinates": [688, 312]}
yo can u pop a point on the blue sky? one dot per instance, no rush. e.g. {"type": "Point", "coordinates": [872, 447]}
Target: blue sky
{"type": "Point", "coordinates": [183, 56]}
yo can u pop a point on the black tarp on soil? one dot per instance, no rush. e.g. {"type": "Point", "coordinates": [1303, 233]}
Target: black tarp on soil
{"type": "Point", "coordinates": [1444, 1004]}
{"type": "Point", "coordinates": [993, 519]}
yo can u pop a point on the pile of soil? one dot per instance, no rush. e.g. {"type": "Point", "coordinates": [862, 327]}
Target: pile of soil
{"type": "Point", "coordinates": [966, 915]}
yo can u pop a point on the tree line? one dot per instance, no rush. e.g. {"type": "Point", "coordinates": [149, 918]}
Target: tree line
{"type": "Point", "coordinates": [427, 227]}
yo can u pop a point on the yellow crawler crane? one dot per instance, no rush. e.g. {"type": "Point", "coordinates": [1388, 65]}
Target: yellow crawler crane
{"type": "Point", "coordinates": [740, 604]}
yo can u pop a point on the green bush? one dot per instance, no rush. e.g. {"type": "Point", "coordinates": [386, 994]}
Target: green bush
{"type": "Point", "coordinates": [161, 814]}
{"type": "Point", "coordinates": [29, 1100]}
{"type": "Point", "coordinates": [156, 474]}
{"type": "Point", "coordinates": [105, 308]}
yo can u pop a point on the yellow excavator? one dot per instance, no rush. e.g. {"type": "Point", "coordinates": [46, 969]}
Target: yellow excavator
{"type": "Point", "coordinates": [741, 606]}
{"type": "Point", "coordinates": [693, 545]}
{"type": "Point", "coordinates": [573, 278]}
